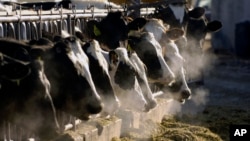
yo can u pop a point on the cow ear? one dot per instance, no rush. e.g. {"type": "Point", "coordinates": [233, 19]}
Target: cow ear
{"type": "Point", "coordinates": [174, 33]}
{"type": "Point", "coordinates": [214, 26]}
{"type": "Point", "coordinates": [196, 12]}
{"type": "Point", "coordinates": [137, 23]}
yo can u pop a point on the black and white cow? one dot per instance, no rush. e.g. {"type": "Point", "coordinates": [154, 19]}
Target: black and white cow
{"type": "Point", "coordinates": [67, 68]}
{"type": "Point", "coordinates": [98, 66]}
{"type": "Point", "coordinates": [25, 98]}
{"type": "Point", "coordinates": [149, 51]}
{"type": "Point", "coordinates": [171, 53]}
{"type": "Point", "coordinates": [123, 75]}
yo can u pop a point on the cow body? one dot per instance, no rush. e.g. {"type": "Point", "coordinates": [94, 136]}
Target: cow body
{"type": "Point", "coordinates": [25, 95]}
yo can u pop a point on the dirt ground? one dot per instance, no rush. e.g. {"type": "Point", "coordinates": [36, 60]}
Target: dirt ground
{"type": "Point", "coordinates": [227, 97]}
{"type": "Point", "coordinates": [224, 99]}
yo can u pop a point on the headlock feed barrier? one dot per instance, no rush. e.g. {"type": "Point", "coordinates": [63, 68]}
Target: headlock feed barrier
{"type": "Point", "coordinates": [29, 24]}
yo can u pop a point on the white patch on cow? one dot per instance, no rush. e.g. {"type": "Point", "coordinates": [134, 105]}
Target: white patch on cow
{"type": "Point", "coordinates": [96, 51]}
{"type": "Point", "coordinates": [47, 85]}
{"type": "Point", "coordinates": [79, 57]}
{"type": "Point", "coordinates": [65, 34]}
{"type": "Point", "coordinates": [178, 11]}
{"type": "Point", "coordinates": [173, 53]}
{"type": "Point", "coordinates": [176, 61]}
{"type": "Point", "coordinates": [156, 27]}
{"type": "Point", "coordinates": [123, 56]}
{"type": "Point", "coordinates": [140, 66]}
{"type": "Point", "coordinates": [166, 70]}
{"type": "Point", "coordinates": [106, 56]}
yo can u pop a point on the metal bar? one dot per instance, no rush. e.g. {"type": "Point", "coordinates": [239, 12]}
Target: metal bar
{"type": "Point", "coordinates": [29, 15]}
{"type": "Point", "coordinates": [154, 4]}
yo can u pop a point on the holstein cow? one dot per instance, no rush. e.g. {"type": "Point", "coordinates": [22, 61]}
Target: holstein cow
{"type": "Point", "coordinates": [113, 59]}
{"type": "Point", "coordinates": [100, 74]}
{"type": "Point", "coordinates": [25, 98]}
{"type": "Point", "coordinates": [123, 75]}
{"type": "Point", "coordinates": [67, 69]}
{"type": "Point", "coordinates": [171, 54]}
{"type": "Point", "coordinates": [150, 52]}
{"type": "Point", "coordinates": [98, 66]}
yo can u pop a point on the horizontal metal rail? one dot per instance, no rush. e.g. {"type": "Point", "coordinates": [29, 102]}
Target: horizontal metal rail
{"type": "Point", "coordinates": [33, 16]}
{"type": "Point", "coordinates": [59, 13]}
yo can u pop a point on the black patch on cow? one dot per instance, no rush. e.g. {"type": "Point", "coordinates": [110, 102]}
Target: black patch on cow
{"type": "Point", "coordinates": [125, 76]}
{"type": "Point", "coordinates": [196, 13]}
{"type": "Point", "coordinates": [137, 23]}
{"type": "Point", "coordinates": [147, 53]}
{"type": "Point", "coordinates": [214, 26]}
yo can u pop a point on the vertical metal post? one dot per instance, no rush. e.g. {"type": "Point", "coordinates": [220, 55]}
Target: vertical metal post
{"type": "Point", "coordinates": [74, 19]}
{"type": "Point", "coordinates": [69, 24]}
{"type": "Point", "coordinates": [1, 30]}
{"type": "Point", "coordinates": [40, 23]}
{"type": "Point", "coordinates": [60, 25]}
{"type": "Point", "coordinates": [18, 24]}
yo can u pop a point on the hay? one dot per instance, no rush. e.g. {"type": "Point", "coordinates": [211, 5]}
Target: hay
{"type": "Point", "coordinates": [170, 130]}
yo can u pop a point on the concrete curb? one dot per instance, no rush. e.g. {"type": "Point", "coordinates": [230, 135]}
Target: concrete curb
{"type": "Point", "coordinates": [101, 129]}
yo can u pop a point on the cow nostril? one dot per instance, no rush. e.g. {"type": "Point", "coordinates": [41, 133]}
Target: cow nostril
{"type": "Point", "coordinates": [94, 108]}
{"type": "Point", "coordinates": [186, 94]}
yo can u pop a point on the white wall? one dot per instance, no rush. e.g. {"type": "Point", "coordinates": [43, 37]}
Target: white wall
{"type": "Point", "coordinates": [229, 12]}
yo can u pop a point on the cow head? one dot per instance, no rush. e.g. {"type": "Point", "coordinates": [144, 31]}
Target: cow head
{"type": "Point", "coordinates": [99, 69]}
{"type": "Point", "coordinates": [109, 31]}
{"type": "Point", "coordinates": [72, 87]}
{"type": "Point", "coordinates": [150, 52]}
